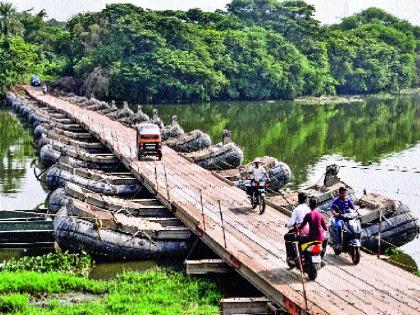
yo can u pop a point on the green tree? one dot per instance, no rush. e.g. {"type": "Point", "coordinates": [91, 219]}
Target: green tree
{"type": "Point", "coordinates": [9, 23]}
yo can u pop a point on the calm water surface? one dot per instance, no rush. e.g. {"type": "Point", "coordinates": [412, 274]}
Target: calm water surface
{"type": "Point", "coordinates": [380, 137]}
{"type": "Point", "coordinates": [19, 188]}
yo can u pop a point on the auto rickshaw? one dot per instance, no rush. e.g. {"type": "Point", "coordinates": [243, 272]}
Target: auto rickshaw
{"type": "Point", "coordinates": [149, 140]}
{"type": "Point", "coordinates": [35, 80]}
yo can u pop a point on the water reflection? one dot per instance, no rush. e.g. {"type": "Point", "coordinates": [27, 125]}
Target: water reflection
{"type": "Point", "coordinates": [108, 270]}
{"type": "Point", "coordinates": [19, 189]}
{"type": "Point", "coordinates": [375, 134]}
{"type": "Point", "coordinates": [301, 134]}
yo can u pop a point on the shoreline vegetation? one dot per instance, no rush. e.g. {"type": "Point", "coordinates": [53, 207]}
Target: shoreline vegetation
{"type": "Point", "coordinates": [343, 99]}
{"type": "Point", "coordinates": [254, 50]}
{"type": "Point", "coordinates": [43, 285]}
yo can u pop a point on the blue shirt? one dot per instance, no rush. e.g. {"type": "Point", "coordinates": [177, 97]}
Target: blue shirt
{"type": "Point", "coordinates": [342, 206]}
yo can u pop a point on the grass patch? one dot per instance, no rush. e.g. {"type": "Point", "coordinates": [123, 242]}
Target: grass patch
{"type": "Point", "coordinates": [74, 264]}
{"type": "Point", "coordinates": [50, 279]}
{"type": "Point", "coordinates": [14, 303]}
{"type": "Point", "coordinates": [398, 258]}
{"type": "Point", "coordinates": [154, 292]}
{"type": "Point", "coordinates": [32, 282]}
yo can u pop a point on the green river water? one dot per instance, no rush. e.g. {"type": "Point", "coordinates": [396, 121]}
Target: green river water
{"type": "Point", "coordinates": [380, 138]}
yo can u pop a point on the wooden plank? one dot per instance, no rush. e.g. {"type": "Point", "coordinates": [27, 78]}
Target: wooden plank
{"type": "Point", "coordinates": [139, 208]}
{"type": "Point", "coordinates": [254, 244]}
{"type": "Point", "coordinates": [252, 305]}
{"type": "Point", "coordinates": [206, 266]}
{"type": "Point", "coordinates": [273, 309]}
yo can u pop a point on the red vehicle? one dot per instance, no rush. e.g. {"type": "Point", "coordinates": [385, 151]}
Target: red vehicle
{"type": "Point", "coordinates": [149, 140]}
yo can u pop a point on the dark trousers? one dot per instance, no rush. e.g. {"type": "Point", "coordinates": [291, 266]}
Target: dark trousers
{"type": "Point", "coordinates": [289, 238]}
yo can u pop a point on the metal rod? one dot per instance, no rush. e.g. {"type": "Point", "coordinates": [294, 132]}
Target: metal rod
{"type": "Point", "coordinates": [166, 181]}
{"type": "Point", "coordinates": [202, 210]}
{"type": "Point", "coordinates": [379, 234]}
{"type": "Point", "coordinates": [301, 275]}
{"type": "Point", "coordinates": [156, 178]}
{"type": "Point", "coordinates": [221, 219]}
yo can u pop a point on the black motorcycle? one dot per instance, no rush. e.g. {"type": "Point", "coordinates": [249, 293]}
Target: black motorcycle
{"type": "Point", "coordinates": [257, 194]}
{"type": "Point", "coordinates": [310, 255]}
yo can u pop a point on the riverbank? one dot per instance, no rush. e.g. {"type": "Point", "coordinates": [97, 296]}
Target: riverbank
{"type": "Point", "coordinates": [155, 291]}
{"type": "Point", "coordinates": [61, 284]}
{"type": "Point", "coordinates": [343, 99]}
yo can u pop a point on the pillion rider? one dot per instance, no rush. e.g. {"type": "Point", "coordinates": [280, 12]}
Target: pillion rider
{"type": "Point", "coordinates": [298, 214]}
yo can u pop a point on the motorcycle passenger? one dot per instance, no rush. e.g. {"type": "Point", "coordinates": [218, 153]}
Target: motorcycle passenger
{"type": "Point", "coordinates": [317, 226]}
{"type": "Point", "coordinates": [296, 219]}
{"type": "Point", "coordinates": [256, 173]}
{"type": "Point", "coordinates": [341, 205]}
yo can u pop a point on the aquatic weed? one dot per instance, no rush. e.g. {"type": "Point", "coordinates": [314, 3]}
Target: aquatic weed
{"type": "Point", "coordinates": [75, 264]}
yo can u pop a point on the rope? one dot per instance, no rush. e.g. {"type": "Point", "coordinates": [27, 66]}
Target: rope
{"type": "Point", "coordinates": [395, 168]}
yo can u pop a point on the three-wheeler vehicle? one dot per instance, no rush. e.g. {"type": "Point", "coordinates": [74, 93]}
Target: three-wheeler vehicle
{"type": "Point", "coordinates": [149, 141]}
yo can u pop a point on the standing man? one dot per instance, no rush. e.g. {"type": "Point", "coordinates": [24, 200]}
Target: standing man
{"type": "Point", "coordinates": [298, 215]}
{"type": "Point", "coordinates": [341, 205]}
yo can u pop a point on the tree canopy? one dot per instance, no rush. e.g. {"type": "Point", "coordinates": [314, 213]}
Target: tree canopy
{"type": "Point", "coordinates": [257, 49]}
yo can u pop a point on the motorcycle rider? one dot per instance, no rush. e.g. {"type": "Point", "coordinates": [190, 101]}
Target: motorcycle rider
{"type": "Point", "coordinates": [296, 219]}
{"type": "Point", "coordinates": [340, 205]}
{"type": "Point", "coordinates": [256, 173]}
{"type": "Point", "coordinates": [317, 226]}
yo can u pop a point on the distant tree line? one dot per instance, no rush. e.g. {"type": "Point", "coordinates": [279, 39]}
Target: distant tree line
{"type": "Point", "coordinates": [257, 49]}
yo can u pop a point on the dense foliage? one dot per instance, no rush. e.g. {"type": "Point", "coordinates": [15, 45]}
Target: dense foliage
{"type": "Point", "coordinates": [257, 49]}
{"type": "Point", "coordinates": [30, 45]}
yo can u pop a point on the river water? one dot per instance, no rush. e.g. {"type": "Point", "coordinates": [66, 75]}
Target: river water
{"type": "Point", "coordinates": [377, 143]}
{"type": "Point", "coordinates": [19, 188]}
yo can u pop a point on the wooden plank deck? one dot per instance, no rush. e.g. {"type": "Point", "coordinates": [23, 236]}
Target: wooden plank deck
{"type": "Point", "coordinates": [254, 243]}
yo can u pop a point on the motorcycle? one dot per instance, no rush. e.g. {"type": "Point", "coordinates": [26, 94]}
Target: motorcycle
{"type": "Point", "coordinates": [310, 255]}
{"type": "Point", "coordinates": [351, 234]}
{"type": "Point", "coordinates": [257, 194]}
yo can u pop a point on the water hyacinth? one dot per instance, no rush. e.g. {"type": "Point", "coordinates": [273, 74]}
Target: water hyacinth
{"type": "Point", "coordinates": [73, 264]}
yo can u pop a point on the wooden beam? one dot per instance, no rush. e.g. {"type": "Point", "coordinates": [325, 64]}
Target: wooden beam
{"type": "Point", "coordinates": [251, 306]}
{"type": "Point", "coordinates": [274, 309]}
{"type": "Point", "coordinates": [205, 266]}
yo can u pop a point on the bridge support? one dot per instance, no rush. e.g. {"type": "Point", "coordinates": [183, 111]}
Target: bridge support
{"type": "Point", "coordinates": [249, 306]}
{"type": "Point", "coordinates": [274, 309]}
{"type": "Point", "coordinates": [205, 266]}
